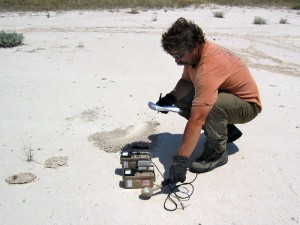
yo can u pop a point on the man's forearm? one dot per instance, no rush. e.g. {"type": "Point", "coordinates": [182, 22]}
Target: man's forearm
{"type": "Point", "coordinates": [182, 88]}
{"type": "Point", "coordinates": [190, 138]}
{"type": "Point", "coordinates": [193, 129]}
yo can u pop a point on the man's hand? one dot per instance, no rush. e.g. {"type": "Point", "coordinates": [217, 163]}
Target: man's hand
{"type": "Point", "coordinates": [168, 100]}
{"type": "Point", "coordinates": [178, 169]}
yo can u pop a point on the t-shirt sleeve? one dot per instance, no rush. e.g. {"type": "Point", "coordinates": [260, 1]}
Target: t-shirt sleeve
{"type": "Point", "coordinates": [206, 90]}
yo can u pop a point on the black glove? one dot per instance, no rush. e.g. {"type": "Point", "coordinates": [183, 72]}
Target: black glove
{"type": "Point", "coordinates": [168, 100]}
{"type": "Point", "coordinates": [178, 169]}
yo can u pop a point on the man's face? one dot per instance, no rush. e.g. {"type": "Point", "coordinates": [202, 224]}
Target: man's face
{"type": "Point", "coordinates": [186, 57]}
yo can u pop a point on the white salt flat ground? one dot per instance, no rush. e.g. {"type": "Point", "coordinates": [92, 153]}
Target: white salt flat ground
{"type": "Point", "coordinates": [85, 72]}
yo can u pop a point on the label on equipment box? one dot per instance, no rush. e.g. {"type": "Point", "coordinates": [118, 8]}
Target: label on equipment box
{"type": "Point", "coordinates": [125, 153]}
{"type": "Point", "coordinates": [129, 183]}
{"type": "Point", "coordinates": [146, 182]}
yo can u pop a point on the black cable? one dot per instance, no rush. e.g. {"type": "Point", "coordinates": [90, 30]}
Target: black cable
{"type": "Point", "coordinates": [178, 197]}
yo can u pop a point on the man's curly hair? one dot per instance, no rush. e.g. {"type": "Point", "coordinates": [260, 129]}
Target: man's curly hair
{"type": "Point", "coordinates": [182, 35]}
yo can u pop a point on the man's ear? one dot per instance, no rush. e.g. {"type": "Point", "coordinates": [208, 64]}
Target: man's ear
{"type": "Point", "coordinates": [196, 48]}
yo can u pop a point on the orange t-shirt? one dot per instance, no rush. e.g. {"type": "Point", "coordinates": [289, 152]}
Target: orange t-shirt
{"type": "Point", "coordinates": [220, 70]}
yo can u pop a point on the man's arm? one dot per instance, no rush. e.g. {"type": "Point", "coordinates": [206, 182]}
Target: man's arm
{"type": "Point", "coordinates": [192, 130]}
{"type": "Point", "coordinates": [182, 88]}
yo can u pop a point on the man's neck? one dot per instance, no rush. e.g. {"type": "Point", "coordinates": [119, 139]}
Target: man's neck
{"type": "Point", "coordinates": [200, 49]}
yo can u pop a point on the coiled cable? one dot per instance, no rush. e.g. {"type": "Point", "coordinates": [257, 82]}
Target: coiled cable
{"type": "Point", "coordinates": [173, 194]}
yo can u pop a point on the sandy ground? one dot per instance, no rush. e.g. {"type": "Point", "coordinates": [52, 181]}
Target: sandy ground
{"type": "Point", "coordinates": [78, 90]}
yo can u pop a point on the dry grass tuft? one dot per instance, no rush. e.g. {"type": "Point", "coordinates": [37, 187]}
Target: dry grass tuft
{"type": "Point", "coordinates": [259, 20]}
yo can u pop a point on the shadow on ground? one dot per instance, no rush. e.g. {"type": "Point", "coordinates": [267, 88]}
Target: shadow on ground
{"type": "Point", "coordinates": [165, 145]}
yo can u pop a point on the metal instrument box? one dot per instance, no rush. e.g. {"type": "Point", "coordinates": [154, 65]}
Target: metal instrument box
{"type": "Point", "coordinates": [138, 179]}
{"type": "Point", "coordinates": [129, 158]}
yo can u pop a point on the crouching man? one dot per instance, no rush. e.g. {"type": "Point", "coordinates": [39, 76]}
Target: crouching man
{"type": "Point", "coordinates": [215, 91]}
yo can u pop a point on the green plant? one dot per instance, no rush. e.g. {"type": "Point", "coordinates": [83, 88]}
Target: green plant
{"type": "Point", "coordinates": [283, 21]}
{"type": "Point", "coordinates": [10, 39]}
{"type": "Point", "coordinates": [259, 20]}
{"type": "Point", "coordinates": [218, 14]}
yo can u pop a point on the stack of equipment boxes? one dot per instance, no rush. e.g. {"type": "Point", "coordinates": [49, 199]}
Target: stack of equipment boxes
{"type": "Point", "coordinates": [137, 167]}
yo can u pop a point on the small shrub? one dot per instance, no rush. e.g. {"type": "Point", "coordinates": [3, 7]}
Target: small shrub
{"type": "Point", "coordinates": [218, 14]}
{"type": "Point", "coordinates": [10, 39]}
{"type": "Point", "coordinates": [259, 20]}
{"type": "Point", "coordinates": [283, 21]}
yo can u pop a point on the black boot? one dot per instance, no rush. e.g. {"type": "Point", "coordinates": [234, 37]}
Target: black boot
{"type": "Point", "coordinates": [213, 161]}
{"type": "Point", "coordinates": [233, 133]}
{"type": "Point", "coordinates": [206, 153]}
